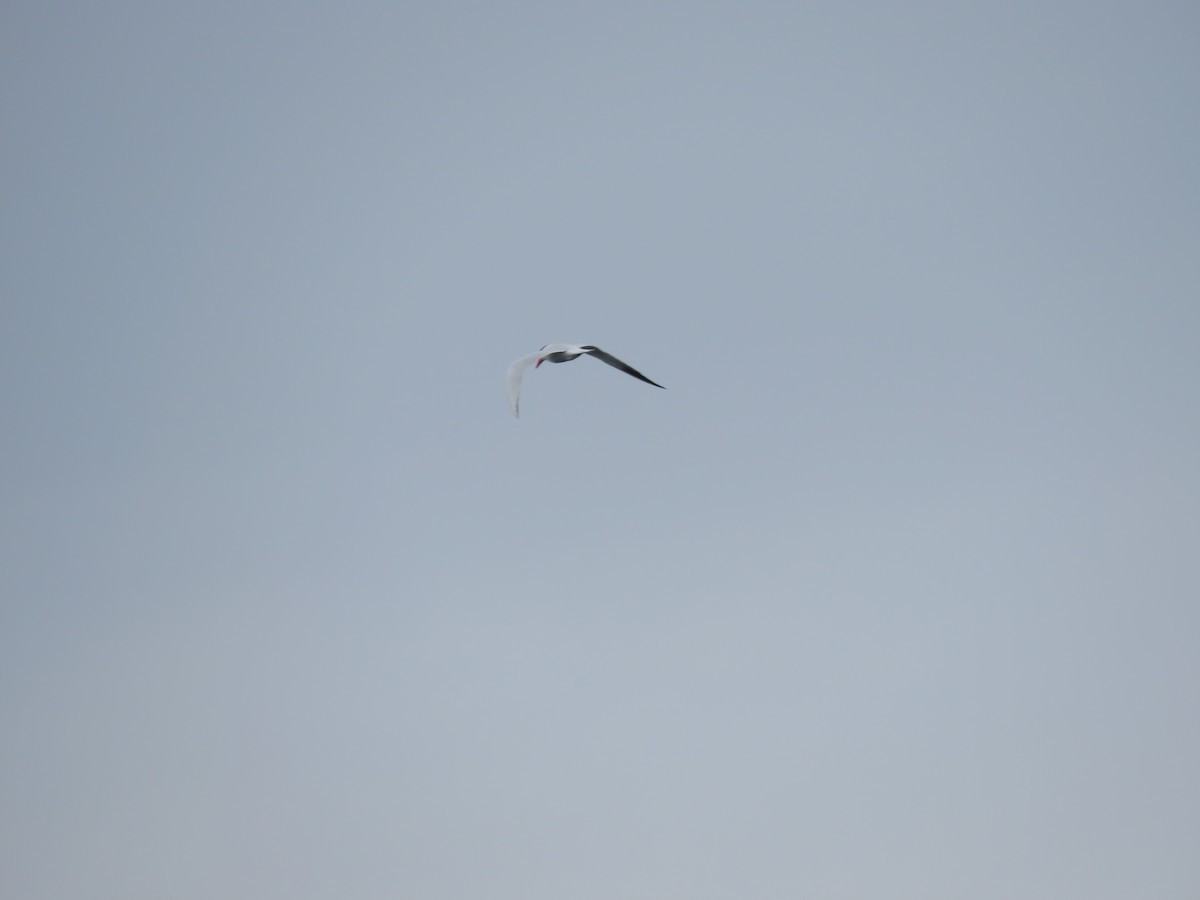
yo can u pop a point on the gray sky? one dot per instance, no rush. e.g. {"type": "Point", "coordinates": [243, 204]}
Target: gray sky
{"type": "Point", "coordinates": [891, 594]}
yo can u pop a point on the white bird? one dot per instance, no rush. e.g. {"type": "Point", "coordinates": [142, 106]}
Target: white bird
{"type": "Point", "coordinates": [561, 353]}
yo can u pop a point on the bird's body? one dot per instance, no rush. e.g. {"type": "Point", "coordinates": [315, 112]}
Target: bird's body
{"type": "Point", "coordinates": [561, 353]}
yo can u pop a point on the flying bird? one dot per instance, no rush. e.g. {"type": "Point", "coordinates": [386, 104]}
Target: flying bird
{"type": "Point", "coordinates": [561, 353]}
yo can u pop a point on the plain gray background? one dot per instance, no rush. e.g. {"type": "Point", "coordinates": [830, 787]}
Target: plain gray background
{"type": "Point", "coordinates": [891, 594]}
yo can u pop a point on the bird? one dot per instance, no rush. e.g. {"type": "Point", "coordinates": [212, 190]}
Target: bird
{"type": "Point", "coordinates": [561, 353]}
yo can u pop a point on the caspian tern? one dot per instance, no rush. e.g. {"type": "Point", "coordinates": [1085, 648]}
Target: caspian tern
{"type": "Point", "coordinates": [561, 353]}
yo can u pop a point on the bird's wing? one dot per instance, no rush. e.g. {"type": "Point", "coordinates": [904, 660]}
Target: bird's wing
{"type": "Point", "coordinates": [617, 364]}
{"type": "Point", "coordinates": [515, 373]}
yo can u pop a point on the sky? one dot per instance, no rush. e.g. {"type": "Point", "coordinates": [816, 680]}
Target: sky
{"type": "Point", "coordinates": [893, 592]}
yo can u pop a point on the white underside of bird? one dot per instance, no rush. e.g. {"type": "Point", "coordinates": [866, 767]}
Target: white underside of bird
{"type": "Point", "coordinates": [561, 353]}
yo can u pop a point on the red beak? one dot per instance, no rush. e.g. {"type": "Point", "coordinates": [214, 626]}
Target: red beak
{"type": "Point", "coordinates": [539, 362]}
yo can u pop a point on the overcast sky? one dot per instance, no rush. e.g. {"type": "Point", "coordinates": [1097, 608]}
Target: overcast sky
{"type": "Point", "coordinates": [893, 592]}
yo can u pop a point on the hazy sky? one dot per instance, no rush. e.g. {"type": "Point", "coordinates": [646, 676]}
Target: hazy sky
{"type": "Point", "coordinates": [894, 592]}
